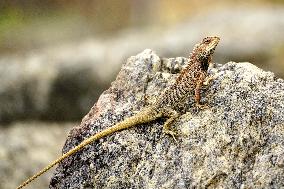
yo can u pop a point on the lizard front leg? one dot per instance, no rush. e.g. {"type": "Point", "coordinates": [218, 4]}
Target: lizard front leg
{"type": "Point", "coordinates": [197, 90]}
{"type": "Point", "coordinates": [200, 83]}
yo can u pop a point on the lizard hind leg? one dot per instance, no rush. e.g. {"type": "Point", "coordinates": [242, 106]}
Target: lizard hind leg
{"type": "Point", "coordinates": [172, 116]}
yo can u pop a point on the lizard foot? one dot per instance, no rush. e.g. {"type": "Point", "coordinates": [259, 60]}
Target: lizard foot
{"type": "Point", "coordinates": [208, 81]}
{"type": "Point", "coordinates": [171, 133]}
{"type": "Point", "coordinates": [202, 106]}
{"type": "Point", "coordinates": [173, 115]}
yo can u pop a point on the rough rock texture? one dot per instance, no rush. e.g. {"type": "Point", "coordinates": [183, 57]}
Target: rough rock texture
{"type": "Point", "coordinates": [238, 142]}
{"type": "Point", "coordinates": [61, 83]}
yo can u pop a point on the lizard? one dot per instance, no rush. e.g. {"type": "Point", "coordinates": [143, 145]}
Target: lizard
{"type": "Point", "coordinates": [191, 78]}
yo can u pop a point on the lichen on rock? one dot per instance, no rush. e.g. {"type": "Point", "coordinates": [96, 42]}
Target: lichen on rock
{"type": "Point", "coordinates": [237, 142]}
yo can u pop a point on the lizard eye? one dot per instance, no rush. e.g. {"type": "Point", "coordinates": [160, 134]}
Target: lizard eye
{"type": "Point", "coordinates": [206, 41]}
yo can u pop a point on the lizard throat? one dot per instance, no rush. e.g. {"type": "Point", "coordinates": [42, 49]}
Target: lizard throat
{"type": "Point", "coordinates": [204, 64]}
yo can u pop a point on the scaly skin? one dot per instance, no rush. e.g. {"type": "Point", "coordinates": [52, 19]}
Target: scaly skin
{"type": "Point", "coordinates": [191, 78]}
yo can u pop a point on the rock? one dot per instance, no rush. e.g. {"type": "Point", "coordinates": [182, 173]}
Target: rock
{"type": "Point", "coordinates": [46, 86]}
{"type": "Point", "coordinates": [237, 142]}
{"type": "Point", "coordinates": [26, 147]}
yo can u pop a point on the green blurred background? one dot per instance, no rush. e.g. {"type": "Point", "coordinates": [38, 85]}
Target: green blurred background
{"type": "Point", "coordinates": [58, 56]}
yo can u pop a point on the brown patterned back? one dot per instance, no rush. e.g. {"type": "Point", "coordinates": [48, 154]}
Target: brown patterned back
{"type": "Point", "coordinates": [191, 75]}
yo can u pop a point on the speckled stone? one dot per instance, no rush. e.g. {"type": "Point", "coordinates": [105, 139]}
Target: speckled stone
{"type": "Point", "coordinates": [237, 142]}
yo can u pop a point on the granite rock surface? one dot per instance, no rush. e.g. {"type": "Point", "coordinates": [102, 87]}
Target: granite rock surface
{"type": "Point", "coordinates": [237, 142]}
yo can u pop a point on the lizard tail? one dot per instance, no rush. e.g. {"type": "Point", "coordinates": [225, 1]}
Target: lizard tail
{"type": "Point", "coordinates": [141, 117]}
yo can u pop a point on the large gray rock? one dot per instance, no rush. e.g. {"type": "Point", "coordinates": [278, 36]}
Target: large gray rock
{"type": "Point", "coordinates": [237, 142]}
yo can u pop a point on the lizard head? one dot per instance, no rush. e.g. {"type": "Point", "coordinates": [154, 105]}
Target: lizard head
{"type": "Point", "coordinates": [203, 51]}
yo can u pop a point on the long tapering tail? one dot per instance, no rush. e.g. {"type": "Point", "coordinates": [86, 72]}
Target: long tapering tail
{"type": "Point", "coordinates": [142, 117]}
